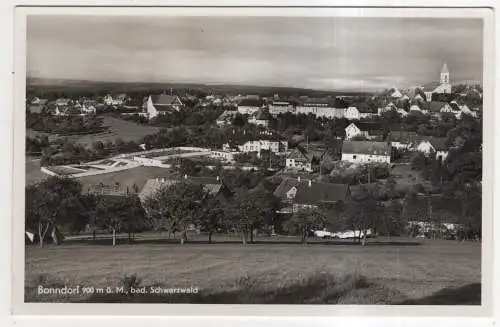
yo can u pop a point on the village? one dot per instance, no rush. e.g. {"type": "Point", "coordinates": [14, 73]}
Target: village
{"type": "Point", "coordinates": [387, 147]}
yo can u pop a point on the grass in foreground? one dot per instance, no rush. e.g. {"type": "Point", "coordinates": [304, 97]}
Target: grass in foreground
{"type": "Point", "coordinates": [433, 273]}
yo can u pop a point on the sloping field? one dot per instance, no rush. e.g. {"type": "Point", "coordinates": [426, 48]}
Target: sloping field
{"type": "Point", "coordinates": [389, 272]}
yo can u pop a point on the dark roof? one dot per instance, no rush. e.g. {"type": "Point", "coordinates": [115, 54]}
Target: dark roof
{"type": "Point", "coordinates": [439, 143]}
{"type": "Point", "coordinates": [368, 126]}
{"type": "Point", "coordinates": [319, 192]}
{"type": "Point", "coordinates": [333, 103]}
{"type": "Point", "coordinates": [250, 103]}
{"type": "Point", "coordinates": [164, 100]}
{"type": "Point", "coordinates": [285, 186]}
{"type": "Point", "coordinates": [298, 155]}
{"type": "Point", "coordinates": [405, 137]}
{"type": "Point", "coordinates": [263, 115]}
{"type": "Point", "coordinates": [366, 147]}
{"type": "Point", "coordinates": [430, 86]}
{"type": "Point", "coordinates": [435, 106]}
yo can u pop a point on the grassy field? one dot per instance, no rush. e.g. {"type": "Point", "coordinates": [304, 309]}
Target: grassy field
{"type": "Point", "coordinates": [394, 271]}
{"type": "Point", "coordinates": [118, 128]}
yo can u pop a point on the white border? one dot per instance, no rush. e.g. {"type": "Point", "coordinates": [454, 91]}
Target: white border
{"type": "Point", "coordinates": [19, 174]}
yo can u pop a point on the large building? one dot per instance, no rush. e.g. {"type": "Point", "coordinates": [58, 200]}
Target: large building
{"type": "Point", "coordinates": [443, 87]}
{"type": "Point", "coordinates": [366, 151]}
{"type": "Point", "coordinates": [162, 104]}
{"type": "Point", "coordinates": [327, 108]}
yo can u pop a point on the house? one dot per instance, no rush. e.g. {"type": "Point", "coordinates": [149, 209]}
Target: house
{"type": "Point", "coordinates": [443, 87]}
{"type": "Point", "coordinates": [159, 104]}
{"type": "Point", "coordinates": [274, 146]}
{"type": "Point", "coordinates": [118, 100]}
{"type": "Point", "coordinates": [416, 108]}
{"type": "Point", "coordinates": [278, 107]}
{"type": "Point", "coordinates": [436, 108]}
{"type": "Point", "coordinates": [227, 155]}
{"type": "Point", "coordinates": [434, 145]}
{"type": "Point", "coordinates": [366, 151]}
{"type": "Point", "coordinates": [298, 161]}
{"type": "Point", "coordinates": [352, 131]}
{"type": "Point", "coordinates": [327, 108]}
{"type": "Point", "coordinates": [226, 117]}
{"type": "Point", "coordinates": [404, 140]}
{"type": "Point", "coordinates": [308, 194]}
{"type": "Point", "coordinates": [365, 112]}
{"type": "Point", "coordinates": [37, 105]}
{"type": "Point", "coordinates": [314, 194]}
{"type": "Point", "coordinates": [212, 186]}
{"type": "Point", "coordinates": [395, 93]}
{"type": "Point", "coordinates": [249, 106]}
{"type": "Point", "coordinates": [260, 118]}
{"type": "Point", "coordinates": [88, 110]}
{"type": "Point", "coordinates": [418, 98]}
{"type": "Point", "coordinates": [352, 113]}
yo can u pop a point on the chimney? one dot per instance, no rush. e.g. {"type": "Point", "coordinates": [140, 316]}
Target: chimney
{"type": "Point", "coordinates": [310, 183]}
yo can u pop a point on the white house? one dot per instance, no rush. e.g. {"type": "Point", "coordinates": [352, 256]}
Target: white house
{"type": "Point", "coordinates": [366, 151]}
{"type": "Point", "coordinates": [298, 161]}
{"type": "Point", "coordinates": [161, 104]}
{"type": "Point", "coordinates": [402, 112]}
{"type": "Point", "coordinates": [396, 94]}
{"type": "Point", "coordinates": [404, 140]}
{"type": "Point", "coordinates": [352, 131]}
{"type": "Point", "coordinates": [327, 108]}
{"type": "Point", "coordinates": [249, 106]}
{"type": "Point", "coordinates": [434, 145]}
{"type": "Point", "coordinates": [352, 113]}
{"type": "Point", "coordinates": [260, 118]}
{"type": "Point", "coordinates": [278, 107]}
{"type": "Point", "coordinates": [277, 147]}
{"type": "Point", "coordinates": [224, 155]}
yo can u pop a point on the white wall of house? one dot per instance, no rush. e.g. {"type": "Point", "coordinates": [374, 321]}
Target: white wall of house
{"type": "Point", "coordinates": [352, 113]}
{"type": "Point", "coordinates": [280, 109]}
{"type": "Point", "coordinates": [150, 108]}
{"type": "Point", "coordinates": [298, 164]}
{"type": "Point", "coordinates": [259, 122]}
{"type": "Point", "coordinates": [425, 147]}
{"type": "Point", "coordinates": [227, 156]}
{"type": "Point", "coordinates": [351, 131]}
{"type": "Point", "coordinates": [441, 155]}
{"type": "Point", "coordinates": [244, 110]}
{"type": "Point", "coordinates": [365, 158]}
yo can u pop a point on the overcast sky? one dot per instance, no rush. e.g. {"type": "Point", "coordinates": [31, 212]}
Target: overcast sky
{"type": "Point", "coordinates": [320, 52]}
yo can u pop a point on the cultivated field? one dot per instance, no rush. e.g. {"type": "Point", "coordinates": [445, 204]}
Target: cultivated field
{"type": "Point", "coordinates": [396, 271]}
{"type": "Point", "coordinates": [118, 128]}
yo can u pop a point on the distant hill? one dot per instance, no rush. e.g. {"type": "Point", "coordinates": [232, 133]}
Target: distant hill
{"type": "Point", "coordinates": [73, 86]}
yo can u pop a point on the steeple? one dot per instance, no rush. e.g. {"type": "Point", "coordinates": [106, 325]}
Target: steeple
{"type": "Point", "coordinates": [445, 75]}
{"type": "Point", "coordinates": [445, 69]}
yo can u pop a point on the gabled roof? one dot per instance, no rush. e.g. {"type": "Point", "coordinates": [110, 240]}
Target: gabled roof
{"type": "Point", "coordinates": [319, 192]}
{"type": "Point", "coordinates": [165, 99]}
{"type": "Point", "coordinates": [285, 186]}
{"type": "Point", "coordinates": [366, 147]}
{"type": "Point", "coordinates": [250, 103]}
{"type": "Point", "coordinates": [405, 137]}
{"type": "Point", "coordinates": [436, 106]}
{"type": "Point", "coordinates": [296, 154]}
{"type": "Point", "coordinates": [430, 86]}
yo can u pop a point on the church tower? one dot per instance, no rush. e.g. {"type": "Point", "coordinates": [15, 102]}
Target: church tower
{"type": "Point", "coordinates": [445, 75]}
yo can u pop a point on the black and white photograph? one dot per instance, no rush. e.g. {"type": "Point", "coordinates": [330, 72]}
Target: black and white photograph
{"type": "Point", "coordinates": [266, 159]}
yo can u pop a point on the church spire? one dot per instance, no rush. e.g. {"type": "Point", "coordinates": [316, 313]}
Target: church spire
{"type": "Point", "coordinates": [445, 75]}
{"type": "Point", "coordinates": [445, 69]}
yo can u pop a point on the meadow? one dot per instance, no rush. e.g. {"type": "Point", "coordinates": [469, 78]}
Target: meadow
{"type": "Point", "coordinates": [117, 128]}
{"type": "Point", "coordinates": [280, 271]}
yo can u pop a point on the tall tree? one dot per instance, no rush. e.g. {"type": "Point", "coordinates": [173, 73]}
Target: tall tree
{"type": "Point", "coordinates": [307, 219]}
{"type": "Point", "coordinates": [52, 203]}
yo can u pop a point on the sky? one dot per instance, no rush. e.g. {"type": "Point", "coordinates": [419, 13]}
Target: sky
{"type": "Point", "coordinates": [327, 53]}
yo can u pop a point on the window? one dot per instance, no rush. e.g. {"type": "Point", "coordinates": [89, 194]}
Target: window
{"type": "Point", "coordinates": [354, 156]}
